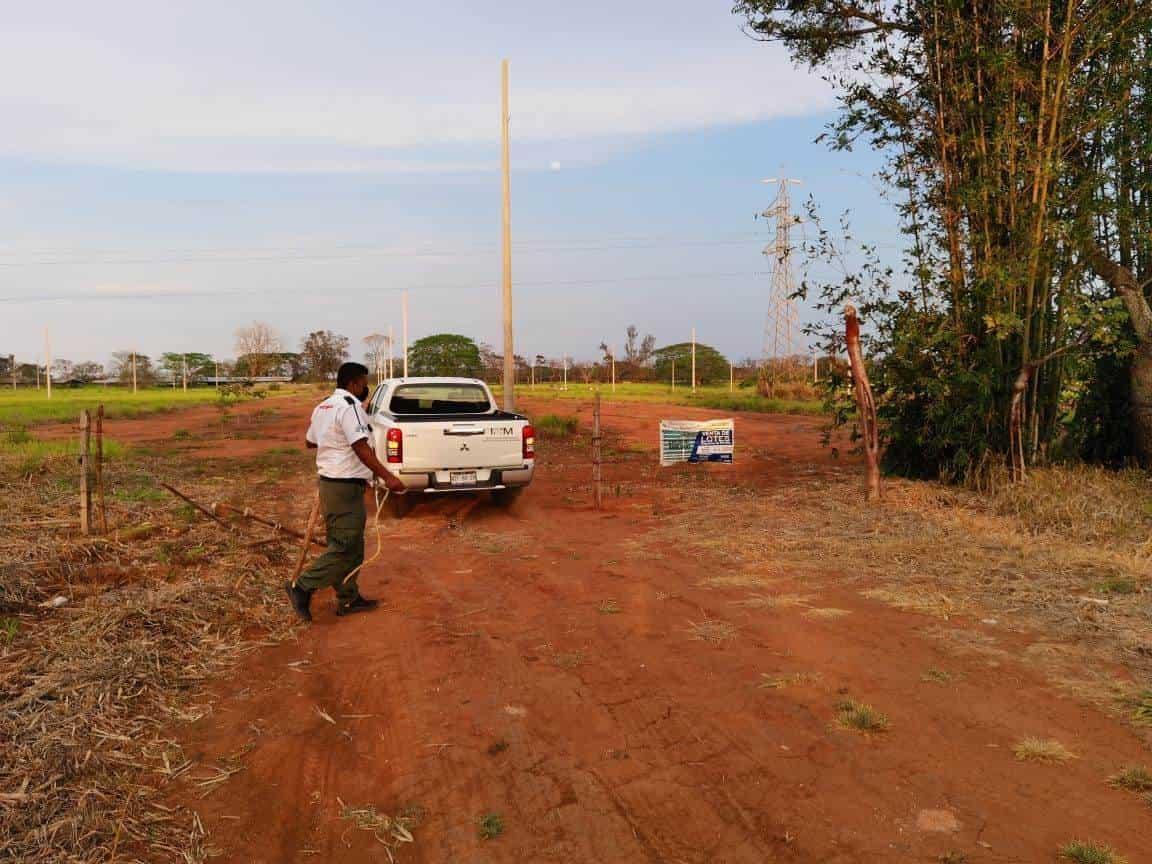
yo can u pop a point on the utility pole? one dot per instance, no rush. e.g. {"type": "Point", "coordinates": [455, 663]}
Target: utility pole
{"type": "Point", "coordinates": [48, 362]}
{"type": "Point", "coordinates": [12, 361]}
{"type": "Point", "coordinates": [613, 350]}
{"type": "Point", "coordinates": [782, 324]}
{"type": "Point", "coordinates": [184, 364]}
{"type": "Point", "coordinates": [404, 327]}
{"type": "Point", "coordinates": [509, 348]}
{"type": "Point", "coordinates": [391, 350]}
{"type": "Point", "coordinates": [693, 359]}
{"type": "Point", "coordinates": [217, 364]}
{"type": "Point", "coordinates": [565, 372]}
{"type": "Point", "coordinates": [133, 371]}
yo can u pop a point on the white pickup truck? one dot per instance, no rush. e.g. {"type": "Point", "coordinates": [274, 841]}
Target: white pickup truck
{"type": "Point", "coordinates": [447, 435]}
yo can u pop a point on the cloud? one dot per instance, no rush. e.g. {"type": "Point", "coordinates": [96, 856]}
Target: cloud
{"type": "Point", "coordinates": [134, 91]}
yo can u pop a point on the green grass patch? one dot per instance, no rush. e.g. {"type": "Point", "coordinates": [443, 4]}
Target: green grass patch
{"type": "Point", "coordinates": [30, 407]}
{"type": "Point", "coordinates": [556, 425]}
{"type": "Point", "coordinates": [490, 826]}
{"type": "Point", "coordinates": [28, 448]}
{"type": "Point", "coordinates": [711, 396]}
{"type": "Point", "coordinates": [859, 717]}
{"type": "Point", "coordinates": [9, 627]}
{"type": "Point", "coordinates": [1084, 852]}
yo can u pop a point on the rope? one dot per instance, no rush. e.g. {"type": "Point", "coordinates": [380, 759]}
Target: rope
{"type": "Point", "coordinates": [379, 533]}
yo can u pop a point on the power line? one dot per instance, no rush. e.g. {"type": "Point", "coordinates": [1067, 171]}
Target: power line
{"type": "Point", "coordinates": [360, 252]}
{"type": "Point", "coordinates": [613, 280]}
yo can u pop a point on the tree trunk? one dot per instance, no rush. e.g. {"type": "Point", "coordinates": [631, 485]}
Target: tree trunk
{"type": "Point", "coordinates": [865, 404]}
{"type": "Point", "coordinates": [1121, 280]}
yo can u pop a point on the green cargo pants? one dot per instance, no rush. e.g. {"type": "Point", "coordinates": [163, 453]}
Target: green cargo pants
{"type": "Point", "coordinates": [343, 507]}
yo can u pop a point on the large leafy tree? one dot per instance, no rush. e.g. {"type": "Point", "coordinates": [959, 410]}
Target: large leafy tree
{"type": "Point", "coordinates": [445, 354]}
{"type": "Point", "coordinates": [990, 115]}
{"type": "Point", "coordinates": [322, 352]}
{"type": "Point", "coordinates": [711, 365]}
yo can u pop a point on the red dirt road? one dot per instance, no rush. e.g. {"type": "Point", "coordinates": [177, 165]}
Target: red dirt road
{"type": "Point", "coordinates": [542, 665]}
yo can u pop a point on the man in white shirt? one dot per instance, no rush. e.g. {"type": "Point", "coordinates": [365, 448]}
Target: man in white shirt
{"type": "Point", "coordinates": [345, 463]}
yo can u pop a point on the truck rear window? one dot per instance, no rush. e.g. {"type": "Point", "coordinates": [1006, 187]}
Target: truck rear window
{"type": "Point", "coordinates": [439, 399]}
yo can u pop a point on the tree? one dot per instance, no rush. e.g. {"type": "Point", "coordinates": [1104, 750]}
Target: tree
{"type": "Point", "coordinates": [322, 352]}
{"type": "Point", "coordinates": [62, 370]}
{"type": "Point", "coordinates": [196, 363]}
{"type": "Point", "coordinates": [445, 354]}
{"type": "Point", "coordinates": [376, 353]}
{"type": "Point", "coordinates": [711, 365]}
{"type": "Point", "coordinates": [1008, 134]}
{"type": "Point", "coordinates": [256, 344]}
{"type": "Point", "coordinates": [122, 366]}
{"type": "Point", "coordinates": [87, 372]}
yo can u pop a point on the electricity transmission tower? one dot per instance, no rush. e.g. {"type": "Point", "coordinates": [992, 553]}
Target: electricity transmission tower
{"type": "Point", "coordinates": [782, 326]}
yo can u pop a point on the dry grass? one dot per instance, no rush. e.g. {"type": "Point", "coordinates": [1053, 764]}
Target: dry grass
{"type": "Point", "coordinates": [736, 580]}
{"type": "Point", "coordinates": [826, 612]}
{"type": "Point", "coordinates": [1045, 750]}
{"type": "Point", "coordinates": [780, 682]}
{"type": "Point", "coordinates": [1085, 852]}
{"type": "Point", "coordinates": [1077, 569]}
{"type": "Point", "coordinates": [712, 630]}
{"type": "Point", "coordinates": [774, 601]}
{"type": "Point", "coordinates": [389, 831]}
{"type": "Point", "coordinates": [1133, 778]}
{"type": "Point", "coordinates": [89, 689]}
{"type": "Point", "coordinates": [860, 717]}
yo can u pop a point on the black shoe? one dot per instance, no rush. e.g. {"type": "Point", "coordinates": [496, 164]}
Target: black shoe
{"type": "Point", "coordinates": [356, 604]}
{"type": "Point", "coordinates": [300, 599]}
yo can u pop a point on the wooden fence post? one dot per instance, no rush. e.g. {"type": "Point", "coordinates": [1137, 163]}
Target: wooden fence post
{"type": "Point", "coordinates": [85, 472]}
{"type": "Point", "coordinates": [100, 469]}
{"type": "Point", "coordinates": [597, 493]}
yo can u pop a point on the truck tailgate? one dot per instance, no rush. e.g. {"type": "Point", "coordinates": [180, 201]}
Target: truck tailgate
{"type": "Point", "coordinates": [462, 444]}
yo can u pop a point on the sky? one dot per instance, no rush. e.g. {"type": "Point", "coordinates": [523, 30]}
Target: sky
{"type": "Point", "coordinates": [172, 171]}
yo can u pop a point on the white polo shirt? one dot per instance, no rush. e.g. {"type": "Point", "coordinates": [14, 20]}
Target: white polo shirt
{"type": "Point", "coordinates": [337, 423]}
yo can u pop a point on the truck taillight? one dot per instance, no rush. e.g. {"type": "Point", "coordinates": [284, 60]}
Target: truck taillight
{"type": "Point", "coordinates": [395, 446]}
{"type": "Point", "coordinates": [529, 442]}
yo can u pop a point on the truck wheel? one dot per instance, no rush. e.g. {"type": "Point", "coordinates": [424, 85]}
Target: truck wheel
{"type": "Point", "coordinates": [506, 497]}
{"type": "Point", "coordinates": [399, 505]}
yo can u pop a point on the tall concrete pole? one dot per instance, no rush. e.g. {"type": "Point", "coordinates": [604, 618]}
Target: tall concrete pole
{"type": "Point", "coordinates": [404, 327]}
{"type": "Point", "coordinates": [693, 359]}
{"type": "Point", "coordinates": [48, 362]}
{"type": "Point", "coordinates": [509, 349]}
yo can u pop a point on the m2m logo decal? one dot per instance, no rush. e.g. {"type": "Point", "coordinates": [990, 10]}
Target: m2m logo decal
{"type": "Point", "coordinates": [501, 432]}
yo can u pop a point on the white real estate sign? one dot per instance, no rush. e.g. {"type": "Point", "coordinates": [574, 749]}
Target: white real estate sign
{"type": "Point", "coordinates": [697, 441]}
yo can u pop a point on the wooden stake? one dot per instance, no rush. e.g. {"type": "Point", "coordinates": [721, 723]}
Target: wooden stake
{"type": "Point", "coordinates": [505, 163]}
{"type": "Point", "coordinates": [597, 493]}
{"type": "Point", "coordinates": [101, 511]}
{"type": "Point", "coordinates": [85, 470]}
{"type": "Point", "coordinates": [222, 509]}
{"type": "Point", "coordinates": [300, 558]}
{"type": "Point", "coordinates": [199, 507]}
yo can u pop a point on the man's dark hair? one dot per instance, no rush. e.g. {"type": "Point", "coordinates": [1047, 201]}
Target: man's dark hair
{"type": "Point", "coordinates": [349, 372]}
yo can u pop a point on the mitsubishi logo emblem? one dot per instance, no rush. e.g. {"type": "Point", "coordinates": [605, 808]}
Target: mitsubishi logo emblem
{"type": "Point", "coordinates": [464, 447]}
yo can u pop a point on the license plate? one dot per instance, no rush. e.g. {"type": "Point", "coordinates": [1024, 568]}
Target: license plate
{"type": "Point", "coordinates": [462, 478]}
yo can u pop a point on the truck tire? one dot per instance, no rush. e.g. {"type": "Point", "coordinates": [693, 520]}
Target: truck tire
{"type": "Point", "coordinates": [399, 505]}
{"type": "Point", "coordinates": [505, 498]}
